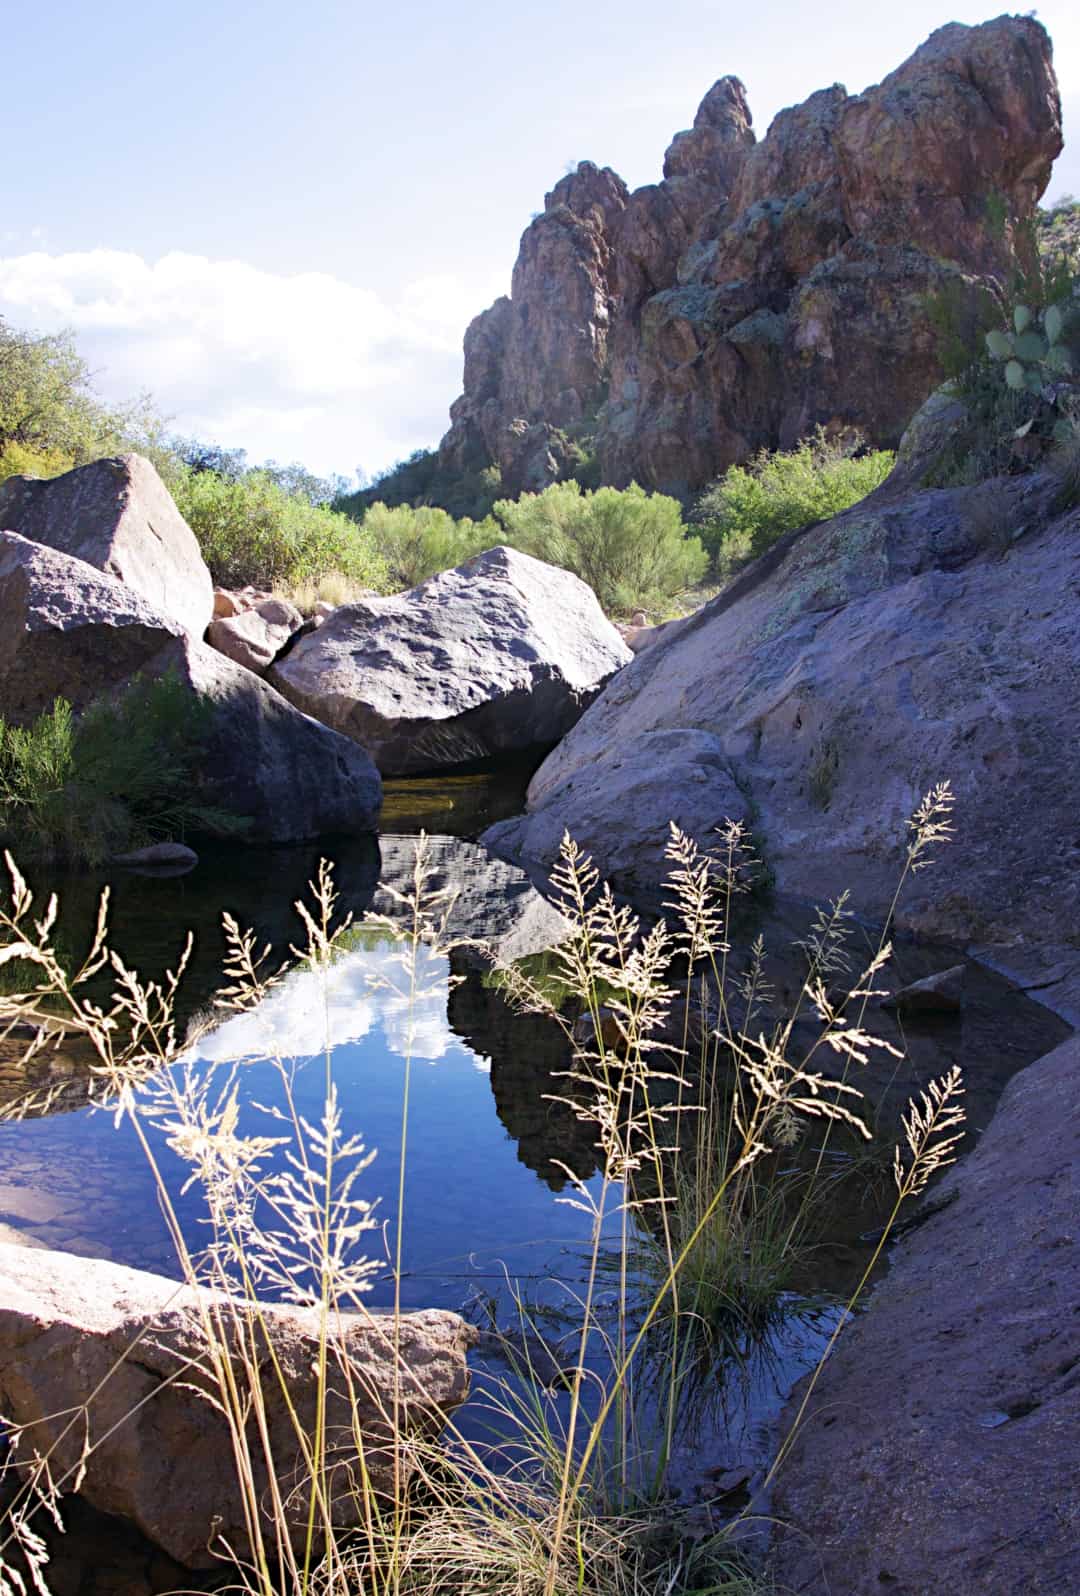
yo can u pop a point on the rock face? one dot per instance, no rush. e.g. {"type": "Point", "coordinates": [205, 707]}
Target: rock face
{"type": "Point", "coordinates": [853, 667]}
{"type": "Point", "coordinates": [67, 630]}
{"type": "Point", "coordinates": [763, 288]}
{"type": "Point", "coordinates": [65, 1321]}
{"type": "Point", "coordinates": [960, 1383]}
{"type": "Point", "coordinates": [119, 517]}
{"type": "Point", "coordinates": [502, 653]}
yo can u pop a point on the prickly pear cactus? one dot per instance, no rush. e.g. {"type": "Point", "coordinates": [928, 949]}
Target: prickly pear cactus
{"type": "Point", "coordinates": [1033, 352]}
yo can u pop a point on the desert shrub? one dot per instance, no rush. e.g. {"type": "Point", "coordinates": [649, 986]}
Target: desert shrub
{"type": "Point", "coordinates": [751, 506]}
{"type": "Point", "coordinates": [119, 777]}
{"type": "Point", "coordinates": [251, 529]}
{"type": "Point", "coordinates": [630, 546]}
{"type": "Point", "coordinates": [415, 542]}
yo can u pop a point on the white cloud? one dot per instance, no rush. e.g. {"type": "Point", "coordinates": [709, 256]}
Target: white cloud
{"type": "Point", "coordinates": [363, 991]}
{"type": "Point", "coordinates": [305, 367]}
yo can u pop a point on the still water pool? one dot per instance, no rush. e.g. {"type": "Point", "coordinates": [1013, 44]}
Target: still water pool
{"type": "Point", "coordinates": [489, 1144]}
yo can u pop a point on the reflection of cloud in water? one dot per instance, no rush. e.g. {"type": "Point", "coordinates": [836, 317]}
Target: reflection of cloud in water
{"type": "Point", "coordinates": [360, 992]}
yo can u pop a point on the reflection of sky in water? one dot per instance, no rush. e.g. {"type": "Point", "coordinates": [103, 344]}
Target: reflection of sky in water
{"type": "Point", "coordinates": [473, 1210]}
{"type": "Point", "coordinates": [360, 992]}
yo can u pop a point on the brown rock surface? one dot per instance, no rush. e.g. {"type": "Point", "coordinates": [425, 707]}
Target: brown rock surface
{"type": "Point", "coordinates": [939, 1450]}
{"type": "Point", "coordinates": [119, 517]}
{"type": "Point", "coordinates": [762, 289]}
{"type": "Point", "coordinates": [168, 1464]}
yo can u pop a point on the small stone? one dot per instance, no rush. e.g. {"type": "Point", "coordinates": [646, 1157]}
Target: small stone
{"type": "Point", "coordinates": [226, 604]}
{"type": "Point", "coordinates": [174, 857]}
{"type": "Point", "coordinates": [940, 993]}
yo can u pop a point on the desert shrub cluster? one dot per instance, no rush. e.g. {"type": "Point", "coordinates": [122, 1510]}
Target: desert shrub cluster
{"type": "Point", "coordinates": [751, 506]}
{"type": "Point", "coordinates": [120, 776]}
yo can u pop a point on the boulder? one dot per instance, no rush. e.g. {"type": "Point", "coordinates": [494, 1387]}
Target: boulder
{"type": "Point", "coordinates": [501, 654]}
{"type": "Point", "coordinates": [254, 638]}
{"type": "Point", "coordinates": [834, 682]}
{"type": "Point", "coordinates": [119, 517]}
{"type": "Point", "coordinates": [938, 1450]}
{"type": "Point", "coordinates": [764, 287]}
{"type": "Point", "coordinates": [226, 604]}
{"type": "Point", "coordinates": [131, 1346]}
{"type": "Point", "coordinates": [611, 805]}
{"type": "Point", "coordinates": [288, 775]}
{"type": "Point", "coordinates": [68, 630]}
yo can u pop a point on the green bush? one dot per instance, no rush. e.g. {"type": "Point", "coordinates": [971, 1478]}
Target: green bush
{"type": "Point", "coordinates": [119, 777]}
{"type": "Point", "coordinates": [252, 530]}
{"type": "Point", "coordinates": [416, 541]}
{"type": "Point", "coordinates": [50, 417]}
{"type": "Point", "coordinates": [630, 546]}
{"type": "Point", "coordinates": [751, 506]}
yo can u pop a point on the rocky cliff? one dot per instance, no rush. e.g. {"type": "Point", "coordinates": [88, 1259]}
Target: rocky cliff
{"type": "Point", "coordinates": [762, 288]}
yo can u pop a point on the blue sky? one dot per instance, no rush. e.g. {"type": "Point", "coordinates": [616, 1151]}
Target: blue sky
{"type": "Point", "coordinates": [279, 220]}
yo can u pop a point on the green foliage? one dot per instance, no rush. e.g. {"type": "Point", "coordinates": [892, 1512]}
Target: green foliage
{"type": "Point", "coordinates": [251, 529]}
{"type": "Point", "coordinates": [120, 777]}
{"type": "Point", "coordinates": [630, 546]}
{"type": "Point", "coordinates": [753, 505]}
{"type": "Point", "coordinates": [422, 479]}
{"type": "Point", "coordinates": [50, 418]}
{"type": "Point", "coordinates": [415, 542]}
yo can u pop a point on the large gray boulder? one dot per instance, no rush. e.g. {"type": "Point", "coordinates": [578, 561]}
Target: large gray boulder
{"type": "Point", "coordinates": [500, 654]}
{"type": "Point", "coordinates": [67, 630]}
{"type": "Point", "coordinates": [131, 1347]}
{"type": "Point", "coordinates": [939, 1450]}
{"type": "Point", "coordinates": [119, 517]}
{"type": "Point", "coordinates": [919, 637]}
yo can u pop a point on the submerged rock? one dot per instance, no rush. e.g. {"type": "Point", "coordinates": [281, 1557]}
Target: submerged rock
{"type": "Point", "coordinates": [941, 993]}
{"type": "Point", "coordinates": [119, 517]}
{"type": "Point", "coordinates": [493, 906]}
{"type": "Point", "coordinates": [160, 1453]}
{"type": "Point", "coordinates": [836, 681]}
{"type": "Point", "coordinates": [174, 857]}
{"type": "Point", "coordinates": [502, 653]}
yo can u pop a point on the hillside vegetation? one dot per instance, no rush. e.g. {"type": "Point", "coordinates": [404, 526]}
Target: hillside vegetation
{"type": "Point", "coordinates": [284, 528]}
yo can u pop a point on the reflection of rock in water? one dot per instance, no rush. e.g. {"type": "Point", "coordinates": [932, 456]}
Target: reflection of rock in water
{"type": "Point", "coordinates": [55, 1081]}
{"type": "Point", "coordinates": [526, 1053]}
{"type": "Point", "coordinates": [495, 903]}
{"type": "Point", "coordinates": [149, 918]}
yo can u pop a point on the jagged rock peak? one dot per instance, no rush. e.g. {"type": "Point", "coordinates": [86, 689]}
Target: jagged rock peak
{"type": "Point", "coordinates": [587, 188]}
{"type": "Point", "coordinates": [763, 288]}
{"type": "Point", "coordinates": [723, 127]}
